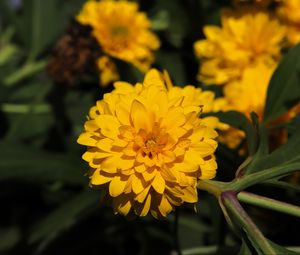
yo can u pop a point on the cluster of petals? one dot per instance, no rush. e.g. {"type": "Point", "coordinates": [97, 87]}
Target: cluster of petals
{"type": "Point", "coordinates": [147, 145]}
{"type": "Point", "coordinates": [247, 36]}
{"type": "Point", "coordinates": [241, 55]}
{"type": "Point", "coordinates": [123, 32]}
{"type": "Point", "coordinates": [289, 12]}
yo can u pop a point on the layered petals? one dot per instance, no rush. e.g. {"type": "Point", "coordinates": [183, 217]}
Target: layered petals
{"type": "Point", "coordinates": [148, 146]}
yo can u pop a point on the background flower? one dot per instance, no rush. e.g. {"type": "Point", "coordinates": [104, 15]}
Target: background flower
{"type": "Point", "coordinates": [289, 12]}
{"type": "Point", "coordinates": [247, 36]}
{"type": "Point", "coordinates": [126, 36]}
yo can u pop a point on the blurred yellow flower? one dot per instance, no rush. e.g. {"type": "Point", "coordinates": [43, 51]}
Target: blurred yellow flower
{"type": "Point", "coordinates": [148, 148]}
{"type": "Point", "coordinates": [289, 12]}
{"type": "Point", "coordinates": [108, 70]}
{"type": "Point", "coordinates": [245, 95]}
{"type": "Point", "coordinates": [121, 30]}
{"type": "Point", "coordinates": [249, 93]}
{"type": "Point", "coordinates": [246, 36]}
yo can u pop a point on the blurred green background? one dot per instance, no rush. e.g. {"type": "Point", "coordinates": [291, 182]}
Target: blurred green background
{"type": "Point", "coordinates": [46, 204]}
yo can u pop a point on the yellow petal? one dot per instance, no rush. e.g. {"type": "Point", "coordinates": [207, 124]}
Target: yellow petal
{"type": "Point", "coordinates": [140, 169]}
{"type": "Point", "coordinates": [124, 207]}
{"type": "Point", "coordinates": [165, 207]}
{"type": "Point", "coordinates": [175, 118]}
{"type": "Point", "coordinates": [190, 195]}
{"type": "Point", "coordinates": [116, 186]}
{"type": "Point", "coordinates": [110, 164]}
{"type": "Point", "coordinates": [137, 185]}
{"type": "Point", "coordinates": [91, 125]}
{"type": "Point", "coordinates": [105, 144]}
{"type": "Point", "coordinates": [208, 169]}
{"type": "Point", "coordinates": [86, 139]}
{"type": "Point", "coordinates": [153, 77]}
{"type": "Point", "coordinates": [142, 196]}
{"type": "Point", "coordinates": [99, 179]}
{"type": "Point", "coordinates": [146, 206]}
{"type": "Point", "coordinates": [109, 125]}
{"type": "Point", "coordinates": [149, 175]}
{"type": "Point", "coordinates": [140, 117]}
{"type": "Point", "coordinates": [122, 204]}
{"type": "Point", "coordinates": [122, 115]}
{"type": "Point", "coordinates": [158, 183]}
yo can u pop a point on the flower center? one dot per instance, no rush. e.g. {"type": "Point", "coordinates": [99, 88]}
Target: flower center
{"type": "Point", "coordinates": [119, 31]}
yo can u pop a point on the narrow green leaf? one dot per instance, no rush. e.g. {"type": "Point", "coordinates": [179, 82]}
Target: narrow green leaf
{"type": "Point", "coordinates": [282, 250]}
{"type": "Point", "coordinates": [287, 153]}
{"type": "Point", "coordinates": [244, 249]}
{"type": "Point", "coordinates": [284, 88]}
{"type": "Point", "coordinates": [283, 185]}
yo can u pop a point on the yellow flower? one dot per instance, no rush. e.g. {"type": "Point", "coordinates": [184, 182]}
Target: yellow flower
{"type": "Point", "coordinates": [148, 149]}
{"type": "Point", "coordinates": [289, 12]}
{"type": "Point", "coordinates": [245, 37]}
{"type": "Point", "coordinates": [108, 70]}
{"type": "Point", "coordinates": [121, 30]}
{"type": "Point", "coordinates": [249, 93]}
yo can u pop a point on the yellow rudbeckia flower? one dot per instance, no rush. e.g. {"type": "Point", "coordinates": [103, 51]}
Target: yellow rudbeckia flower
{"type": "Point", "coordinates": [246, 36]}
{"type": "Point", "coordinates": [289, 12]}
{"type": "Point", "coordinates": [122, 31]}
{"type": "Point", "coordinates": [148, 145]}
{"type": "Point", "coordinates": [249, 93]}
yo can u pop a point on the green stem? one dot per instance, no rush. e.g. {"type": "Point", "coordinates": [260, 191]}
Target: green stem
{"type": "Point", "coordinates": [25, 108]}
{"type": "Point", "coordinates": [264, 175]}
{"type": "Point", "coordinates": [201, 250]}
{"type": "Point", "coordinates": [269, 203]}
{"type": "Point", "coordinates": [213, 187]}
{"type": "Point", "coordinates": [234, 208]}
{"type": "Point", "coordinates": [27, 70]}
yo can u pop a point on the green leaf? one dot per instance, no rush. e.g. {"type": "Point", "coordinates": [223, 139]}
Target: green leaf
{"type": "Point", "coordinates": [287, 153]}
{"type": "Point", "coordinates": [9, 237]}
{"type": "Point", "coordinates": [284, 88]}
{"type": "Point", "coordinates": [282, 250]}
{"type": "Point", "coordinates": [178, 21]}
{"type": "Point", "coordinates": [68, 214]}
{"type": "Point", "coordinates": [160, 21]}
{"type": "Point", "coordinates": [26, 163]}
{"type": "Point", "coordinates": [29, 69]}
{"type": "Point", "coordinates": [262, 151]}
{"type": "Point", "coordinates": [244, 249]}
{"type": "Point", "coordinates": [283, 185]}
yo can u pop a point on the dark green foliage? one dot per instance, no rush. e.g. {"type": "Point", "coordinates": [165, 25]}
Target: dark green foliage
{"type": "Point", "coordinates": [47, 206]}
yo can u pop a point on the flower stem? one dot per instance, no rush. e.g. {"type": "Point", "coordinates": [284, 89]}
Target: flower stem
{"type": "Point", "coordinates": [269, 203]}
{"type": "Point", "coordinates": [213, 187]}
{"type": "Point", "coordinates": [29, 69]}
{"type": "Point", "coordinates": [264, 175]}
{"type": "Point", "coordinates": [25, 108]}
{"type": "Point", "coordinates": [234, 208]}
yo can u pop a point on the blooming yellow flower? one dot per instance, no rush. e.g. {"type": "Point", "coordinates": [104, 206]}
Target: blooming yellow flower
{"type": "Point", "coordinates": [249, 93]}
{"type": "Point", "coordinates": [121, 30]}
{"type": "Point", "coordinates": [108, 70]}
{"type": "Point", "coordinates": [148, 146]}
{"type": "Point", "coordinates": [246, 36]}
{"type": "Point", "coordinates": [289, 12]}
